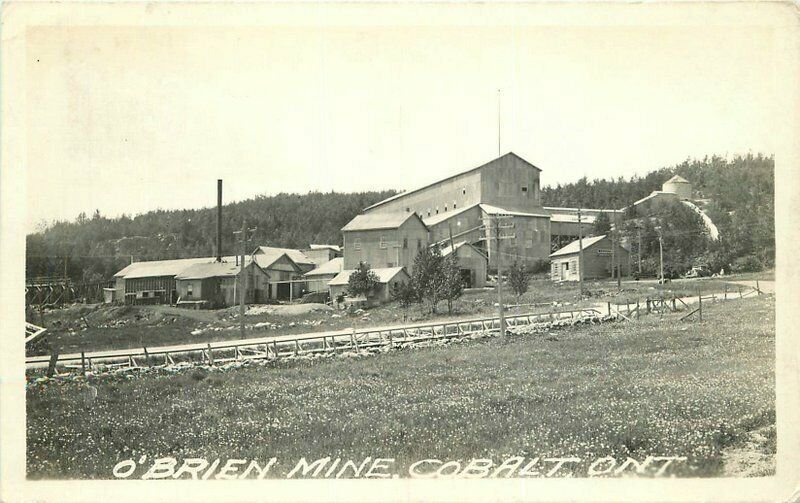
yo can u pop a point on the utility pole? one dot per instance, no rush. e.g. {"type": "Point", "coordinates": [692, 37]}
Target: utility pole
{"type": "Point", "coordinates": [639, 234]}
{"type": "Point", "coordinates": [243, 239]}
{"type": "Point", "coordinates": [619, 267]}
{"type": "Point", "coordinates": [613, 250]}
{"type": "Point", "coordinates": [580, 252]}
{"type": "Point", "coordinates": [661, 253]}
{"type": "Point", "coordinates": [499, 237]}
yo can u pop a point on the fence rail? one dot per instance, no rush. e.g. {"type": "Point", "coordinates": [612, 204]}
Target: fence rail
{"type": "Point", "coordinates": [673, 303]}
{"type": "Point", "coordinates": [303, 344]}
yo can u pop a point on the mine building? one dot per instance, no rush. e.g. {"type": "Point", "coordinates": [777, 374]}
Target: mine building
{"type": "Point", "coordinates": [384, 240]}
{"type": "Point", "coordinates": [464, 205]}
{"type": "Point", "coordinates": [564, 226]}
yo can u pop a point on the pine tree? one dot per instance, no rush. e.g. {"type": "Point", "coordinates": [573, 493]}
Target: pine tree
{"type": "Point", "coordinates": [519, 278]}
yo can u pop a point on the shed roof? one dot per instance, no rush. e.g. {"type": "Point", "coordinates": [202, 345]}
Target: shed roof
{"type": "Point", "coordinates": [159, 268]}
{"type": "Point", "coordinates": [403, 194]}
{"type": "Point", "coordinates": [441, 217]}
{"type": "Point", "coordinates": [226, 268]}
{"type": "Point", "coordinates": [335, 248]}
{"type": "Point", "coordinates": [374, 221]}
{"type": "Point", "coordinates": [494, 210]}
{"type": "Point", "coordinates": [333, 266]}
{"type": "Point", "coordinates": [385, 275]}
{"type": "Point", "coordinates": [574, 247]}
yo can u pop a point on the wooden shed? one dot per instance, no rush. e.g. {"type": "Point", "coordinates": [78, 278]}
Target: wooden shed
{"type": "Point", "coordinates": [471, 261]}
{"type": "Point", "coordinates": [215, 284]}
{"type": "Point", "coordinates": [388, 277]}
{"type": "Point", "coordinates": [564, 263]}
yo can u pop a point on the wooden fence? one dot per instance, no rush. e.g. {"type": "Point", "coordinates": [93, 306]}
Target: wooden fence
{"type": "Point", "coordinates": [303, 344]}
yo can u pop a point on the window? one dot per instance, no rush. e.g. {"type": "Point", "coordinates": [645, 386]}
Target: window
{"type": "Point", "coordinates": [464, 191]}
{"type": "Point", "coordinates": [189, 290]}
{"type": "Point", "coordinates": [408, 210]}
{"type": "Point", "coordinates": [419, 244]}
{"type": "Point", "coordinates": [437, 210]}
{"type": "Point", "coordinates": [383, 242]}
{"type": "Point", "coordinates": [405, 243]}
{"type": "Point", "coordinates": [524, 189]}
{"type": "Point", "coordinates": [454, 205]}
{"type": "Point", "coordinates": [357, 243]}
{"type": "Point", "coordinates": [429, 212]}
{"type": "Point", "coordinates": [445, 207]}
{"type": "Point", "coordinates": [145, 294]}
{"type": "Point", "coordinates": [566, 266]}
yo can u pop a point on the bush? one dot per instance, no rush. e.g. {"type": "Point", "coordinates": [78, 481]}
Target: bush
{"type": "Point", "coordinates": [541, 266]}
{"type": "Point", "coordinates": [748, 263]}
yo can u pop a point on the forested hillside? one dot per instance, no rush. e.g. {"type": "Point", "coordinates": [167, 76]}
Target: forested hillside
{"type": "Point", "coordinates": [738, 195]}
{"type": "Point", "coordinates": [93, 248]}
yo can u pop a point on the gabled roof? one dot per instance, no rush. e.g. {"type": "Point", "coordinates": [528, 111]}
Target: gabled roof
{"type": "Point", "coordinates": [333, 266]}
{"type": "Point", "coordinates": [677, 179]}
{"type": "Point", "coordinates": [447, 249]}
{"type": "Point", "coordinates": [177, 267]}
{"type": "Point", "coordinates": [385, 275]}
{"type": "Point", "coordinates": [226, 268]}
{"type": "Point", "coordinates": [374, 221]}
{"type": "Point", "coordinates": [574, 247]}
{"type": "Point", "coordinates": [267, 255]}
{"type": "Point", "coordinates": [403, 194]}
{"type": "Point", "coordinates": [159, 268]}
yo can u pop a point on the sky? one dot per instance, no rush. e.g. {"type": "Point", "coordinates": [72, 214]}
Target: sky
{"type": "Point", "coordinates": [128, 119]}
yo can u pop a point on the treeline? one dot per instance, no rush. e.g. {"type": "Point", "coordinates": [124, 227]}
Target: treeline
{"type": "Point", "coordinates": [731, 184]}
{"type": "Point", "coordinates": [738, 195]}
{"type": "Point", "coordinates": [93, 248]}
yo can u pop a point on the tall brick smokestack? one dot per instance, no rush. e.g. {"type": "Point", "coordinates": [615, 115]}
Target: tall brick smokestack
{"type": "Point", "coordinates": [219, 220]}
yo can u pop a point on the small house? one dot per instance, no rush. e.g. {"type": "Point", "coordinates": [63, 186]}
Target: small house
{"type": "Point", "coordinates": [216, 284]}
{"type": "Point", "coordinates": [564, 263]}
{"type": "Point", "coordinates": [388, 278]}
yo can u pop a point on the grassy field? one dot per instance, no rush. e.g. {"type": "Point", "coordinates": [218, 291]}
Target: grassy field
{"type": "Point", "coordinates": [91, 328]}
{"type": "Point", "coordinates": [654, 387]}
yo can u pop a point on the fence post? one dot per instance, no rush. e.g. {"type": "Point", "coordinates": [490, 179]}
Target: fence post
{"type": "Point", "coordinates": [700, 301]}
{"type": "Point", "coordinates": [147, 357]}
{"type": "Point", "coordinates": [609, 309]}
{"type": "Point", "coordinates": [210, 355]}
{"type": "Point", "coordinates": [740, 292]}
{"type": "Point", "coordinates": [637, 308]}
{"type": "Point", "coordinates": [758, 288]}
{"type": "Point", "coordinates": [647, 303]}
{"type": "Point", "coordinates": [674, 308]}
{"type": "Point", "coordinates": [83, 363]}
{"type": "Point", "coordinates": [726, 293]}
{"type": "Point", "coordinates": [51, 367]}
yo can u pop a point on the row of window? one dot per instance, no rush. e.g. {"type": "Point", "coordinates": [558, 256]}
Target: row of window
{"type": "Point", "coordinates": [385, 244]}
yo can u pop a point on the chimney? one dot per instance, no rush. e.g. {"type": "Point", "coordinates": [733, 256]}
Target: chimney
{"type": "Point", "coordinates": [219, 220]}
